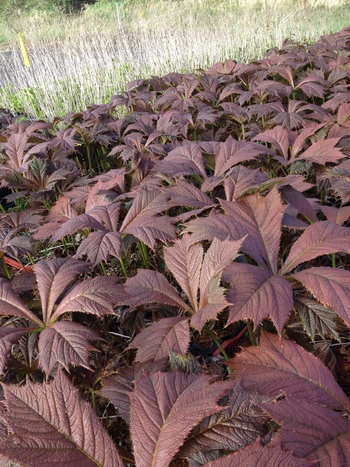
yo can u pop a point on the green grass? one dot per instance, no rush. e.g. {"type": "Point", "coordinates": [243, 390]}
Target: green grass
{"type": "Point", "coordinates": [71, 68]}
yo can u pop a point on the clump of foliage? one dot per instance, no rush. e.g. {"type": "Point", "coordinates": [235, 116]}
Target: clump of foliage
{"type": "Point", "coordinates": [137, 252]}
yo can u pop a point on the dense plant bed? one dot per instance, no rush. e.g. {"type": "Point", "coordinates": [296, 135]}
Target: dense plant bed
{"type": "Point", "coordinates": [138, 253]}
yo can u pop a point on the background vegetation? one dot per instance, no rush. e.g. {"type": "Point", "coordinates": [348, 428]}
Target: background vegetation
{"type": "Point", "coordinates": [72, 67]}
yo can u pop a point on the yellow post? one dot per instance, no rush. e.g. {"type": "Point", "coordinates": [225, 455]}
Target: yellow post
{"type": "Point", "coordinates": [23, 50]}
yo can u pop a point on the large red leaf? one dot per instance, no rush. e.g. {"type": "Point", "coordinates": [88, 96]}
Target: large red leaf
{"type": "Point", "coordinates": [151, 286]}
{"type": "Point", "coordinates": [313, 85]}
{"type": "Point", "coordinates": [61, 211]}
{"type": "Point", "coordinates": [302, 137]}
{"type": "Point", "coordinates": [212, 299]}
{"type": "Point", "coordinates": [215, 302]}
{"type": "Point", "coordinates": [117, 387]}
{"type": "Point", "coordinates": [322, 152]}
{"type": "Point", "coordinates": [15, 150]}
{"type": "Point", "coordinates": [105, 242]}
{"type": "Point", "coordinates": [279, 365]}
{"type": "Point", "coordinates": [255, 294]}
{"type": "Point", "coordinates": [66, 343]}
{"type": "Point", "coordinates": [296, 199]}
{"type": "Point", "coordinates": [84, 221]}
{"type": "Point", "coordinates": [211, 183]}
{"type": "Point", "coordinates": [261, 218]}
{"type": "Point", "coordinates": [343, 114]}
{"type": "Point", "coordinates": [198, 459]}
{"type": "Point", "coordinates": [185, 194]}
{"type": "Point", "coordinates": [47, 230]}
{"type": "Point", "coordinates": [330, 286]}
{"type": "Point", "coordinates": [316, 317]}
{"type": "Point", "coordinates": [107, 215]}
{"type": "Point", "coordinates": [54, 277]}
{"type": "Point", "coordinates": [98, 246]}
{"type": "Point", "coordinates": [11, 304]}
{"type": "Point", "coordinates": [223, 227]}
{"type": "Point", "coordinates": [312, 431]}
{"type": "Point", "coordinates": [98, 296]}
{"type": "Point", "coordinates": [256, 455]}
{"type": "Point", "coordinates": [241, 178]}
{"type": "Point", "coordinates": [114, 178]}
{"type": "Point", "coordinates": [338, 178]}
{"type": "Point", "coordinates": [278, 137]}
{"type": "Point", "coordinates": [320, 238]}
{"type": "Point", "coordinates": [185, 159]}
{"type": "Point", "coordinates": [231, 429]}
{"type": "Point", "coordinates": [219, 255]}
{"type": "Point", "coordinates": [336, 215]}
{"type": "Point", "coordinates": [233, 152]}
{"type": "Point", "coordinates": [154, 342]}
{"type": "Point", "coordinates": [143, 221]}
{"type": "Point", "coordinates": [13, 245]}
{"type": "Point", "coordinates": [164, 409]}
{"type": "Point", "coordinates": [184, 261]}
{"type": "Point", "coordinates": [96, 196]}
{"type": "Point", "coordinates": [51, 425]}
